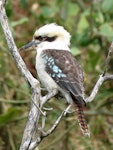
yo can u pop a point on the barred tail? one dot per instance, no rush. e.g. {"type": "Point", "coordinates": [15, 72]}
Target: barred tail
{"type": "Point", "coordinates": [81, 119]}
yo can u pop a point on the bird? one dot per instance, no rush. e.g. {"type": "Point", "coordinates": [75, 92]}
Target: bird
{"type": "Point", "coordinates": [58, 69]}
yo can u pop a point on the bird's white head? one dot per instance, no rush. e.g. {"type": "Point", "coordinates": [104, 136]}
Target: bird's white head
{"type": "Point", "coordinates": [50, 36]}
{"type": "Point", "coordinates": [52, 32]}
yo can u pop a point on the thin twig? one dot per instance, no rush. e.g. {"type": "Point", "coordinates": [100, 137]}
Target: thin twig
{"type": "Point", "coordinates": [102, 77]}
{"type": "Point", "coordinates": [97, 86]}
{"type": "Point", "coordinates": [45, 98]}
{"type": "Point", "coordinates": [108, 59]}
{"type": "Point", "coordinates": [95, 89]}
{"type": "Point", "coordinates": [50, 131]}
{"type": "Point", "coordinates": [44, 134]}
{"type": "Point", "coordinates": [108, 77]}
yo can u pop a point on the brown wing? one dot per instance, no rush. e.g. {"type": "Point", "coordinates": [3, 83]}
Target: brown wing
{"type": "Point", "coordinates": [66, 71]}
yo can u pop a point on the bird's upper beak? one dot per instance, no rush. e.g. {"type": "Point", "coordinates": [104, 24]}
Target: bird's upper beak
{"type": "Point", "coordinates": [29, 46]}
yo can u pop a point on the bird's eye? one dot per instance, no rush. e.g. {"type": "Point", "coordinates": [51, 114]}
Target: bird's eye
{"type": "Point", "coordinates": [40, 38]}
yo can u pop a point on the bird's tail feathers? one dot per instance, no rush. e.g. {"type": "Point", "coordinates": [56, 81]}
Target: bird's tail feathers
{"type": "Point", "coordinates": [81, 119]}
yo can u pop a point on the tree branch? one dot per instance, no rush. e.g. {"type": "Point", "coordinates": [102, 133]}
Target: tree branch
{"type": "Point", "coordinates": [97, 86]}
{"type": "Point", "coordinates": [102, 77]}
{"type": "Point", "coordinates": [108, 59]}
{"type": "Point", "coordinates": [34, 113]}
{"type": "Point", "coordinates": [13, 49]}
{"type": "Point", "coordinates": [50, 131]}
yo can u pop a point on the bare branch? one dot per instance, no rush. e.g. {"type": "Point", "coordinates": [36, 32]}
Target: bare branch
{"type": "Point", "coordinates": [4, 2]}
{"type": "Point", "coordinates": [95, 89]}
{"type": "Point", "coordinates": [34, 113]}
{"type": "Point", "coordinates": [48, 96]}
{"type": "Point", "coordinates": [13, 49]}
{"type": "Point", "coordinates": [31, 125]}
{"type": "Point", "coordinates": [102, 77]}
{"type": "Point", "coordinates": [108, 77]}
{"type": "Point", "coordinates": [97, 86]}
{"type": "Point", "coordinates": [108, 59]}
{"type": "Point", "coordinates": [50, 131]}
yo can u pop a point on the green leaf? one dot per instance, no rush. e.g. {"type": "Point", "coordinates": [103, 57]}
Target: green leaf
{"type": "Point", "coordinates": [106, 30]}
{"type": "Point", "coordinates": [83, 24]}
{"type": "Point", "coordinates": [107, 6]}
{"type": "Point", "coordinates": [72, 9]}
{"type": "Point", "coordinates": [75, 51]}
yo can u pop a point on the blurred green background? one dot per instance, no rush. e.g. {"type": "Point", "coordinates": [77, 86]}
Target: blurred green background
{"type": "Point", "coordinates": [90, 23]}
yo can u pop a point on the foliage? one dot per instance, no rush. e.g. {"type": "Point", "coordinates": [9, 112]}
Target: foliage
{"type": "Point", "coordinates": [90, 24]}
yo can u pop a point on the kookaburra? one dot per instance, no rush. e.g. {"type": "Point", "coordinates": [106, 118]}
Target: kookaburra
{"type": "Point", "coordinates": [57, 69]}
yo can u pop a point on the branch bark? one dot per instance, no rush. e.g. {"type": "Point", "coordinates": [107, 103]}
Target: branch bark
{"type": "Point", "coordinates": [97, 86]}
{"type": "Point", "coordinates": [50, 131]}
{"type": "Point", "coordinates": [34, 113]}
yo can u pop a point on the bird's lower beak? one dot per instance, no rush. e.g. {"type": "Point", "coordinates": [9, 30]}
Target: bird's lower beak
{"type": "Point", "coordinates": [29, 46]}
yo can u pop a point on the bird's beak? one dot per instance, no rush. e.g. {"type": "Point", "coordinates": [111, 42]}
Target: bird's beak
{"type": "Point", "coordinates": [29, 46]}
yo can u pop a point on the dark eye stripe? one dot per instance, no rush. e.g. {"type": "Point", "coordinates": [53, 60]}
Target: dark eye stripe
{"type": "Point", "coordinates": [51, 39]}
{"type": "Point", "coordinates": [45, 38]}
